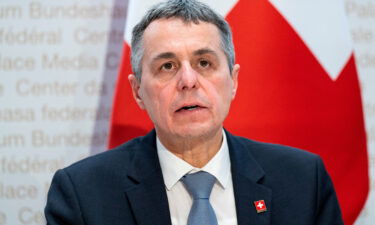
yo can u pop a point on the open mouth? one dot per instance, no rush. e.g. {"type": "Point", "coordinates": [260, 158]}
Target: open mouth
{"type": "Point", "coordinates": [189, 108]}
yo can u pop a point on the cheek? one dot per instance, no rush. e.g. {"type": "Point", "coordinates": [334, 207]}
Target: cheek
{"type": "Point", "coordinates": [156, 99]}
{"type": "Point", "coordinates": [222, 91]}
{"type": "Point", "coordinates": [148, 98]}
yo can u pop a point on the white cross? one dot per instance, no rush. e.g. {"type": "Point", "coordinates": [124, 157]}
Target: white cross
{"type": "Point", "coordinates": [260, 205]}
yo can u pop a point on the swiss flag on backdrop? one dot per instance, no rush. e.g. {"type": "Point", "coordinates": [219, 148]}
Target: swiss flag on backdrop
{"type": "Point", "coordinates": [298, 86]}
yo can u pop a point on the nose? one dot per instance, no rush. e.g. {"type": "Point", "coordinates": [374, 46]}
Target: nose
{"type": "Point", "coordinates": [188, 78]}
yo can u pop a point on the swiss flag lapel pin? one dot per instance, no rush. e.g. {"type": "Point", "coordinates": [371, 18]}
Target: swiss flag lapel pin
{"type": "Point", "coordinates": [260, 206]}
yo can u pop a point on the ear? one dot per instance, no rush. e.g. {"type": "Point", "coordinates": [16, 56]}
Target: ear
{"type": "Point", "coordinates": [235, 72]}
{"type": "Point", "coordinates": [135, 85]}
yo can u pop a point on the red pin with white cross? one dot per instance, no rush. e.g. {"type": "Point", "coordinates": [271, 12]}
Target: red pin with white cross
{"type": "Point", "coordinates": [260, 206]}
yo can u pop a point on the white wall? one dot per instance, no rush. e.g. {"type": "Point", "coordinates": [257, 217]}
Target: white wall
{"type": "Point", "coordinates": [58, 65]}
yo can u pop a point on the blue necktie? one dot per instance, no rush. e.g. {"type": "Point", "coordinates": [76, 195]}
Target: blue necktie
{"type": "Point", "coordinates": [199, 185]}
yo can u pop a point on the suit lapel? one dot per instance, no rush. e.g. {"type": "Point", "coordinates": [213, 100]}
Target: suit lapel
{"type": "Point", "coordinates": [247, 177]}
{"type": "Point", "coordinates": [147, 197]}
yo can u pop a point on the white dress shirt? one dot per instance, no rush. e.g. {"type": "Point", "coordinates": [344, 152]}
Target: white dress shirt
{"type": "Point", "coordinates": [180, 201]}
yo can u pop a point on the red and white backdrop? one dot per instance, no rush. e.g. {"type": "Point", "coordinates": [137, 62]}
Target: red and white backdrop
{"type": "Point", "coordinates": [306, 80]}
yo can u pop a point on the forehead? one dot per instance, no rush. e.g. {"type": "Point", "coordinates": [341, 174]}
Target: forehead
{"type": "Point", "coordinates": [174, 34]}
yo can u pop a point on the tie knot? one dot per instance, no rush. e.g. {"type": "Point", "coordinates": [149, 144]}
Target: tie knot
{"type": "Point", "coordinates": [199, 184]}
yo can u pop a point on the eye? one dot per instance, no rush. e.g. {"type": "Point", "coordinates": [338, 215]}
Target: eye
{"type": "Point", "coordinates": [167, 66]}
{"type": "Point", "coordinates": [204, 63]}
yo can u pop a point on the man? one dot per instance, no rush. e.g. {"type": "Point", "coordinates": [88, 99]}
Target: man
{"type": "Point", "coordinates": [185, 78]}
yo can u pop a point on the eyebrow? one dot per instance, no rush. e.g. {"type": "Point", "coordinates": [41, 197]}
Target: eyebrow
{"type": "Point", "coordinates": [170, 55]}
{"type": "Point", "coordinates": [204, 51]}
{"type": "Point", "coordinates": [165, 55]}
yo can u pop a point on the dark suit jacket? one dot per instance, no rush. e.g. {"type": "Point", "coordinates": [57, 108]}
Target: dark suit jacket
{"type": "Point", "coordinates": [125, 186]}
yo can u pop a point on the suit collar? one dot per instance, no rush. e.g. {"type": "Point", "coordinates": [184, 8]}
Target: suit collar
{"type": "Point", "coordinates": [248, 187]}
{"type": "Point", "coordinates": [147, 197]}
{"type": "Point", "coordinates": [242, 160]}
{"type": "Point", "coordinates": [145, 160]}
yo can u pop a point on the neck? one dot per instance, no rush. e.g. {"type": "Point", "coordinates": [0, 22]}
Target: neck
{"type": "Point", "coordinates": [197, 151]}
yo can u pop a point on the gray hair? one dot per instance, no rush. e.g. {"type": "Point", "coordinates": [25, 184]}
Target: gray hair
{"type": "Point", "coordinates": [188, 11]}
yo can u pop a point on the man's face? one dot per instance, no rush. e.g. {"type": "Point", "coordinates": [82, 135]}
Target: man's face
{"type": "Point", "coordinates": [186, 86]}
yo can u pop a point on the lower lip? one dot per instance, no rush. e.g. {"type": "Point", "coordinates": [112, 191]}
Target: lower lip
{"type": "Point", "coordinates": [191, 111]}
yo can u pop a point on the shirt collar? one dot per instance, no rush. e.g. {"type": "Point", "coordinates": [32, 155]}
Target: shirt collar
{"type": "Point", "coordinates": [173, 168]}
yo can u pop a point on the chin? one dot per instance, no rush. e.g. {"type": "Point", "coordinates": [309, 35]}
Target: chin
{"type": "Point", "coordinates": [196, 131]}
